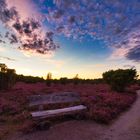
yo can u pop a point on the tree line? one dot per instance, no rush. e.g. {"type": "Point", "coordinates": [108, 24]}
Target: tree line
{"type": "Point", "coordinates": [117, 79]}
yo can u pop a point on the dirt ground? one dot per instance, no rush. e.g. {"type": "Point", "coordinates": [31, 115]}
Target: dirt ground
{"type": "Point", "coordinates": [126, 127]}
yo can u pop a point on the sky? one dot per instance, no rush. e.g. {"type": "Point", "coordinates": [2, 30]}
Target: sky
{"type": "Point", "coordinates": [69, 37]}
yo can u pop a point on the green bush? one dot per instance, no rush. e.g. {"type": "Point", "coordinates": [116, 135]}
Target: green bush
{"type": "Point", "coordinates": [119, 79]}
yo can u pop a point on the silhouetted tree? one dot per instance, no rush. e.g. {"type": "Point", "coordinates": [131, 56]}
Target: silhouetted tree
{"type": "Point", "coordinates": [11, 76]}
{"type": "Point", "coordinates": [119, 79]}
{"type": "Point", "coordinates": [76, 79]}
{"type": "Point", "coordinates": [49, 79]}
{"type": "Point", "coordinates": [3, 67]}
{"type": "Point", "coordinates": [7, 77]}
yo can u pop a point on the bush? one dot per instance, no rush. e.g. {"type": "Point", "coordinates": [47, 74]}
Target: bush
{"type": "Point", "coordinates": [29, 79]}
{"type": "Point", "coordinates": [64, 80]}
{"type": "Point", "coordinates": [7, 79]}
{"type": "Point", "coordinates": [119, 79]}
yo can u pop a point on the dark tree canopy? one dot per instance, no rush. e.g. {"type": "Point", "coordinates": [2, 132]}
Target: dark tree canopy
{"type": "Point", "coordinates": [7, 77]}
{"type": "Point", "coordinates": [119, 79]}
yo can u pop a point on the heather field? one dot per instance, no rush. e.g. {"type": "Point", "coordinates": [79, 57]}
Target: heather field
{"type": "Point", "coordinates": [104, 105]}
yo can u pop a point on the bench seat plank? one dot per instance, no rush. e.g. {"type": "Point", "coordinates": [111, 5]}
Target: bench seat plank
{"type": "Point", "coordinates": [58, 112]}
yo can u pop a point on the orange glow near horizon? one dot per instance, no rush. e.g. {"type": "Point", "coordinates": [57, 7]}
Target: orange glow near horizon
{"type": "Point", "coordinates": [58, 74]}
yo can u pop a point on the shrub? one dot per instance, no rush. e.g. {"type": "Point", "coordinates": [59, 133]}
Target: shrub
{"type": "Point", "coordinates": [29, 79]}
{"type": "Point", "coordinates": [64, 80]}
{"type": "Point", "coordinates": [119, 79]}
{"type": "Point", "coordinates": [7, 79]}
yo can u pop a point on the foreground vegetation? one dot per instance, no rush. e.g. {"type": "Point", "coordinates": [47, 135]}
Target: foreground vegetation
{"type": "Point", "coordinates": [103, 103]}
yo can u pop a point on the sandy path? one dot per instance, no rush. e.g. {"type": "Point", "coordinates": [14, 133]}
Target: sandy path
{"type": "Point", "coordinates": [127, 127]}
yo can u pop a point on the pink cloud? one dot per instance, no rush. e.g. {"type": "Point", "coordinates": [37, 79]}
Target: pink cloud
{"type": "Point", "coordinates": [25, 8]}
{"type": "Point", "coordinates": [25, 27]}
{"type": "Point", "coordinates": [123, 48]}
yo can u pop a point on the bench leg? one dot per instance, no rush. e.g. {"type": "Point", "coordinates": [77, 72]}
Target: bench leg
{"type": "Point", "coordinates": [80, 116]}
{"type": "Point", "coordinates": [43, 125]}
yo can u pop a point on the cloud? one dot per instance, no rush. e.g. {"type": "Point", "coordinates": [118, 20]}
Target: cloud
{"type": "Point", "coordinates": [111, 21]}
{"type": "Point", "coordinates": [106, 19]}
{"type": "Point", "coordinates": [2, 49]}
{"type": "Point", "coordinates": [134, 54]}
{"type": "Point", "coordinates": [7, 14]}
{"type": "Point", "coordinates": [7, 58]}
{"type": "Point", "coordinates": [119, 53]}
{"type": "Point", "coordinates": [25, 8]}
{"type": "Point", "coordinates": [30, 53]}
{"type": "Point", "coordinates": [129, 66]}
{"type": "Point", "coordinates": [129, 47]}
{"type": "Point", "coordinates": [25, 31]}
{"type": "Point", "coordinates": [92, 66]}
{"type": "Point", "coordinates": [57, 63]}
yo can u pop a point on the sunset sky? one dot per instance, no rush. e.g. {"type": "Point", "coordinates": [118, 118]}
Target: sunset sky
{"type": "Point", "coordinates": [69, 37]}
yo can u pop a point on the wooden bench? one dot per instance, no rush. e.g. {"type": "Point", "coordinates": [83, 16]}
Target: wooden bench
{"type": "Point", "coordinates": [38, 102]}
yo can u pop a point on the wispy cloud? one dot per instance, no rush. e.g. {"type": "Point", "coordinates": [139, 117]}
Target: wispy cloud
{"type": "Point", "coordinates": [129, 66]}
{"type": "Point", "coordinates": [129, 47]}
{"type": "Point", "coordinates": [7, 58]}
{"type": "Point", "coordinates": [31, 53]}
{"type": "Point", "coordinates": [2, 49]}
{"type": "Point", "coordinates": [57, 63]}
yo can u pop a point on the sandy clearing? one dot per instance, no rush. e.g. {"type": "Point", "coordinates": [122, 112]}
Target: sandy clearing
{"type": "Point", "coordinates": [126, 127]}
